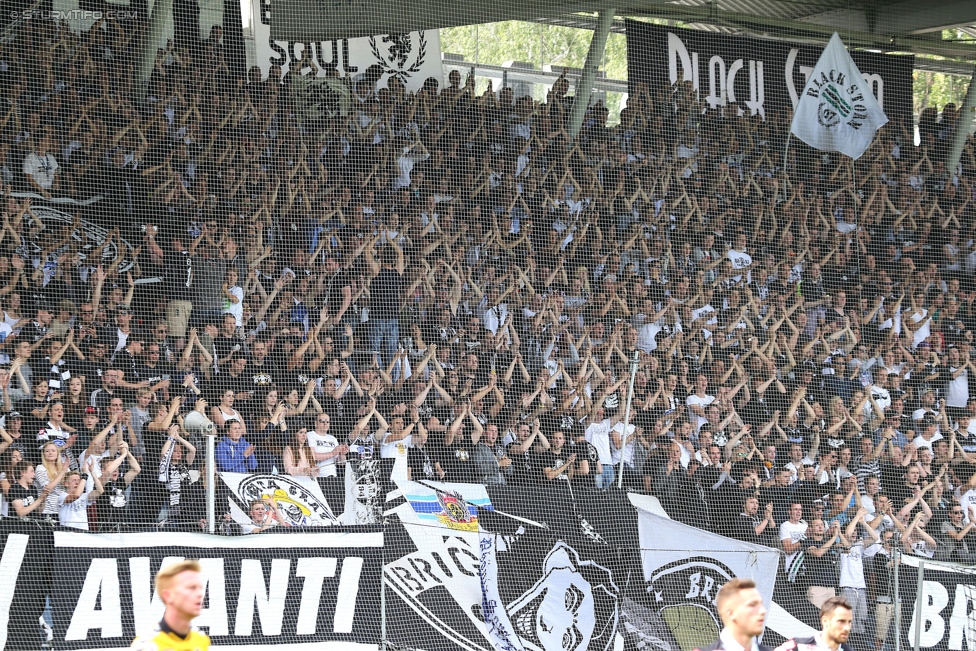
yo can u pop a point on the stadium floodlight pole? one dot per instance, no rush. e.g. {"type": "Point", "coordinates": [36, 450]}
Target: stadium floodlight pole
{"type": "Point", "coordinates": [623, 437]}
{"type": "Point", "coordinates": [581, 97]}
{"type": "Point", "coordinates": [211, 484]}
{"type": "Point", "coordinates": [963, 123]}
{"type": "Point", "coordinates": [161, 11]}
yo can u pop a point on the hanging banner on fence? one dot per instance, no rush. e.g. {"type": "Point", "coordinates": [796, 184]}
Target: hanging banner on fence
{"type": "Point", "coordinates": [684, 583]}
{"type": "Point", "coordinates": [754, 76]}
{"type": "Point", "coordinates": [262, 591]}
{"type": "Point", "coordinates": [947, 608]}
{"type": "Point", "coordinates": [554, 568]}
{"type": "Point", "coordinates": [365, 484]}
{"type": "Point", "coordinates": [411, 57]}
{"type": "Point", "coordinates": [25, 578]}
{"type": "Point", "coordinates": [299, 499]}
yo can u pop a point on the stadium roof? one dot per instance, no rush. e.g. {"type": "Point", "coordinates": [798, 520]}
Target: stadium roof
{"type": "Point", "coordinates": [883, 25]}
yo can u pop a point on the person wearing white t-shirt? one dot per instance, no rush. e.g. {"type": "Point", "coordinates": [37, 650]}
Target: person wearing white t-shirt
{"type": "Point", "coordinates": [233, 297]}
{"type": "Point", "coordinates": [399, 434]}
{"type": "Point", "coordinates": [740, 259]}
{"type": "Point", "coordinates": [851, 567]}
{"type": "Point", "coordinates": [597, 434]}
{"type": "Point", "coordinates": [74, 500]}
{"type": "Point", "coordinates": [623, 444]}
{"type": "Point", "coordinates": [41, 168]}
{"type": "Point", "coordinates": [326, 448]}
{"type": "Point", "coordinates": [697, 402]}
{"type": "Point", "coordinates": [957, 389]}
{"type": "Point", "coordinates": [793, 532]}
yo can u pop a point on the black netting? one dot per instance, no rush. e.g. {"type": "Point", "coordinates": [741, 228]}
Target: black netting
{"type": "Point", "coordinates": [462, 339]}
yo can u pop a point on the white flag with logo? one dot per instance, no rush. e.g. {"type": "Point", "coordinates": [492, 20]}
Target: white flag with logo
{"type": "Point", "coordinates": [837, 110]}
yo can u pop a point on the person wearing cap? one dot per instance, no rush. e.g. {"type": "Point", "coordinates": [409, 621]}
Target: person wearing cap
{"type": "Point", "coordinates": [95, 362]}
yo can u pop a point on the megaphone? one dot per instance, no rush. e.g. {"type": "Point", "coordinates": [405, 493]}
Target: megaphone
{"type": "Point", "coordinates": [195, 422]}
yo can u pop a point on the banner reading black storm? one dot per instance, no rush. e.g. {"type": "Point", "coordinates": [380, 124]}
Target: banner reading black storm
{"type": "Point", "coordinates": [754, 76]}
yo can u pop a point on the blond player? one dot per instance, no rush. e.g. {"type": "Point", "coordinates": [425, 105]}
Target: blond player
{"type": "Point", "coordinates": [181, 589]}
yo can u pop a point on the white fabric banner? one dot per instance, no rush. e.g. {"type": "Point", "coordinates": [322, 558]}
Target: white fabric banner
{"type": "Point", "coordinates": [411, 56]}
{"type": "Point", "coordinates": [685, 567]}
{"type": "Point", "coordinates": [299, 499]}
{"type": "Point", "coordinates": [837, 111]}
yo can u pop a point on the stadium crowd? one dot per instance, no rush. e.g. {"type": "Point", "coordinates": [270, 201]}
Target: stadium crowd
{"type": "Point", "coordinates": [447, 271]}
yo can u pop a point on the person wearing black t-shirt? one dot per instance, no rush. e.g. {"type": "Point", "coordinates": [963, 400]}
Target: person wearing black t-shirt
{"type": "Point", "coordinates": [227, 342]}
{"type": "Point", "coordinates": [337, 296]}
{"type": "Point", "coordinates": [524, 453]}
{"type": "Point", "coordinates": [113, 502]}
{"type": "Point", "coordinates": [557, 463]}
{"type": "Point", "coordinates": [154, 369]}
{"type": "Point", "coordinates": [261, 368]}
{"type": "Point", "coordinates": [26, 500]}
{"type": "Point", "coordinates": [455, 452]}
{"type": "Point", "coordinates": [177, 280]}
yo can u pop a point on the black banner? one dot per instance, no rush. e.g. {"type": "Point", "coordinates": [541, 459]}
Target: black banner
{"type": "Point", "coordinates": [465, 567]}
{"type": "Point", "coordinates": [25, 578]}
{"type": "Point", "coordinates": [757, 76]}
{"type": "Point", "coordinates": [947, 608]}
{"type": "Point", "coordinates": [262, 591]}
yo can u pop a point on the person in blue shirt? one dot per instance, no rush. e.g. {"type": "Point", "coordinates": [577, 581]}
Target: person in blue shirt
{"type": "Point", "coordinates": [233, 452]}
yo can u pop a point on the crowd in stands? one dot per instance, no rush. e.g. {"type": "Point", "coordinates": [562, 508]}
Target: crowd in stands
{"type": "Point", "coordinates": [449, 272]}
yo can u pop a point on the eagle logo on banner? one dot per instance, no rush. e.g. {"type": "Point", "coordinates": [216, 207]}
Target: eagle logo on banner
{"type": "Point", "coordinates": [456, 514]}
{"type": "Point", "coordinates": [397, 55]}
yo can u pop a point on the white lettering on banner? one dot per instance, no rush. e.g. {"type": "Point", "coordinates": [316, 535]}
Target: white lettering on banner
{"type": "Point", "coordinates": [417, 573]}
{"type": "Point", "coordinates": [721, 78]}
{"type": "Point", "coordinates": [962, 614]}
{"type": "Point", "coordinates": [701, 590]}
{"type": "Point", "coordinates": [934, 599]}
{"type": "Point", "coordinates": [413, 57]}
{"type": "Point", "coordinates": [14, 550]}
{"type": "Point", "coordinates": [270, 599]}
{"type": "Point", "coordinates": [352, 568]}
{"type": "Point", "coordinates": [214, 617]}
{"type": "Point", "coordinates": [314, 571]}
{"type": "Point", "coordinates": [147, 607]}
{"type": "Point", "coordinates": [101, 588]}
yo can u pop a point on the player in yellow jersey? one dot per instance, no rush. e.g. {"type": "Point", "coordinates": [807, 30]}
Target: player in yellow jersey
{"type": "Point", "coordinates": [180, 588]}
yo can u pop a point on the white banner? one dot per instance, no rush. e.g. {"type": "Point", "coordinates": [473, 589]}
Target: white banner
{"type": "Point", "coordinates": [684, 567]}
{"type": "Point", "coordinates": [411, 56]}
{"type": "Point", "coordinates": [299, 499]}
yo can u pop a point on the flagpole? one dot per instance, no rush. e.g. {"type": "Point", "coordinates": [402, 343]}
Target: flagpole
{"type": "Point", "coordinates": [786, 152]}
